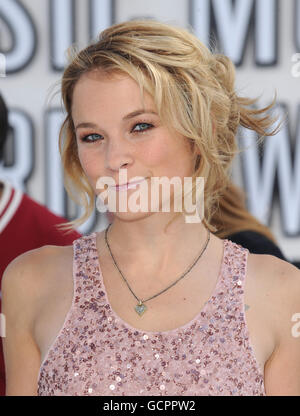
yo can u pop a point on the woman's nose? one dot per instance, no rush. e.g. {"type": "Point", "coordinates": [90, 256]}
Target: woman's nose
{"type": "Point", "coordinates": [118, 155]}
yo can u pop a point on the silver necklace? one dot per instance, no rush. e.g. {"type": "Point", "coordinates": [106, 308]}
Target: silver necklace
{"type": "Point", "coordinates": [141, 307]}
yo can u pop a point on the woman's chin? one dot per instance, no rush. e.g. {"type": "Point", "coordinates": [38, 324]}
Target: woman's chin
{"type": "Point", "coordinates": [127, 216]}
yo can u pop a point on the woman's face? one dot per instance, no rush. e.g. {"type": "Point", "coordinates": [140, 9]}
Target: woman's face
{"type": "Point", "coordinates": [115, 129]}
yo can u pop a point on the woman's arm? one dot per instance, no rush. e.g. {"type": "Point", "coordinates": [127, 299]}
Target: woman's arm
{"type": "Point", "coordinates": [282, 371]}
{"type": "Point", "coordinates": [20, 289]}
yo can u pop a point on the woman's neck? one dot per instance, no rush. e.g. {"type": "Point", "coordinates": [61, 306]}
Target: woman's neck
{"type": "Point", "coordinates": [147, 241]}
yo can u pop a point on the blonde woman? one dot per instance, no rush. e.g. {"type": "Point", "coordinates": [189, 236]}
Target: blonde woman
{"type": "Point", "coordinates": [153, 305]}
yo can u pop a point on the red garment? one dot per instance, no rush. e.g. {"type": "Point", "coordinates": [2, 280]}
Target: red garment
{"type": "Point", "coordinates": [25, 225]}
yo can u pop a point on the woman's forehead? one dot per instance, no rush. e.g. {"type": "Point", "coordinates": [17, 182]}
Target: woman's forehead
{"type": "Point", "coordinates": [119, 93]}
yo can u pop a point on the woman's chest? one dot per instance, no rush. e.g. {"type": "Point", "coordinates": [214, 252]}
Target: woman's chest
{"type": "Point", "coordinates": [166, 312]}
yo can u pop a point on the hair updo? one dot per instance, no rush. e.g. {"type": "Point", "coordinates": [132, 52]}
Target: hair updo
{"type": "Point", "coordinates": [193, 90]}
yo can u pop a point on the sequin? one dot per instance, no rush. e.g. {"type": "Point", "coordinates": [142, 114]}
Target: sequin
{"type": "Point", "coordinates": [113, 358]}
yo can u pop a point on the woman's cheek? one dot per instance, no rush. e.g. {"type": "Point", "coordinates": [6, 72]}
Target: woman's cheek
{"type": "Point", "coordinates": [155, 154]}
{"type": "Point", "coordinates": [89, 164]}
{"type": "Point", "coordinates": [82, 159]}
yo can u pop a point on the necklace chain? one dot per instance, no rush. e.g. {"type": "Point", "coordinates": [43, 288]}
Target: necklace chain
{"type": "Point", "coordinates": [140, 308]}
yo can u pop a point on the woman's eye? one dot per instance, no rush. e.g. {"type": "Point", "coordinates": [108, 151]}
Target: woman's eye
{"type": "Point", "coordinates": [142, 127]}
{"type": "Point", "coordinates": [90, 138]}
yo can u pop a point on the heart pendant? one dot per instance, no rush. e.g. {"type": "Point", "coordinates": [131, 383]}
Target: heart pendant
{"type": "Point", "coordinates": [140, 308]}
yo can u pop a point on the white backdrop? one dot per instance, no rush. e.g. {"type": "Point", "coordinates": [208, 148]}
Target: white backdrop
{"type": "Point", "coordinates": [261, 36]}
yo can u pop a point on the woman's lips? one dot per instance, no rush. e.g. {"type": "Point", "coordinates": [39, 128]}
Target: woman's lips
{"type": "Point", "coordinates": [130, 185]}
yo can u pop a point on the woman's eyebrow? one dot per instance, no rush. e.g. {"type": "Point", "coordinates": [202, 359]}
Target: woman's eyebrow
{"type": "Point", "coordinates": [138, 113]}
{"type": "Point", "coordinates": [82, 125]}
{"type": "Point", "coordinates": [127, 117]}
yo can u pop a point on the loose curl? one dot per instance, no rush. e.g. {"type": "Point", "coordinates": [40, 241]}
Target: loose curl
{"type": "Point", "coordinates": [193, 90]}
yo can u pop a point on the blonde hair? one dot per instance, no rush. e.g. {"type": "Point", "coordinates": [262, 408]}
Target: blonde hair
{"type": "Point", "coordinates": [233, 217]}
{"type": "Point", "coordinates": [193, 90]}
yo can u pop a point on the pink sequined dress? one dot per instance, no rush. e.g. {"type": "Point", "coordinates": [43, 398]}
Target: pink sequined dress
{"type": "Point", "coordinates": [96, 353]}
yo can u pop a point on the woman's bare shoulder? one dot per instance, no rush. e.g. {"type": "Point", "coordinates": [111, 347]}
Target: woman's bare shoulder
{"type": "Point", "coordinates": [28, 275]}
{"type": "Point", "coordinates": [276, 274]}
{"type": "Point", "coordinates": [276, 283]}
{"type": "Point", "coordinates": [277, 289]}
{"type": "Point", "coordinates": [37, 258]}
{"type": "Point", "coordinates": [25, 285]}
{"type": "Point", "coordinates": [273, 269]}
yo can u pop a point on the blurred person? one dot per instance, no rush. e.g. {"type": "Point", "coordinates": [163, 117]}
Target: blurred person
{"type": "Point", "coordinates": [152, 305]}
{"type": "Point", "coordinates": [24, 224]}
